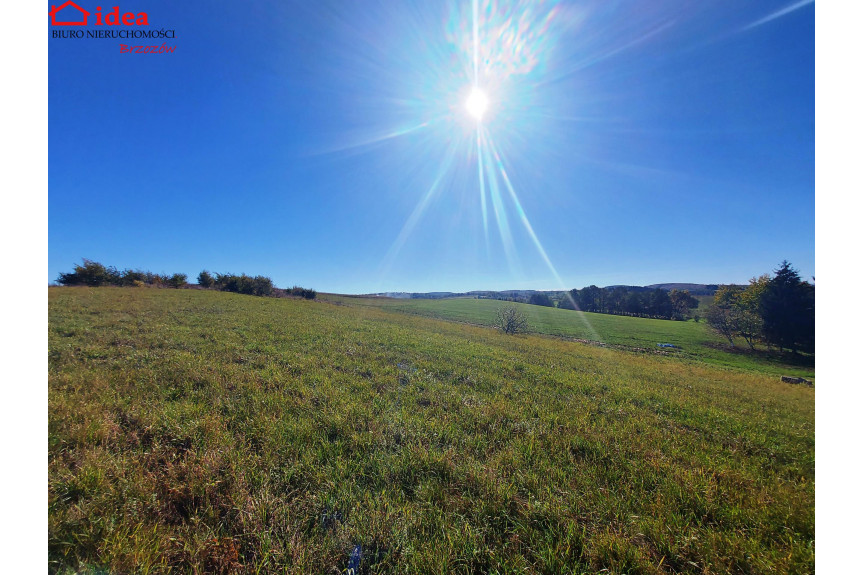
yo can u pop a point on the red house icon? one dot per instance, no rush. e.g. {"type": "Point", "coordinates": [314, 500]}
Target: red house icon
{"type": "Point", "coordinates": [56, 9]}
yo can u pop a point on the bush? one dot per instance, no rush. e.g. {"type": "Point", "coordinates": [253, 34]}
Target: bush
{"type": "Point", "coordinates": [298, 291]}
{"type": "Point", "coordinates": [258, 285]}
{"type": "Point", "coordinates": [205, 280]}
{"type": "Point", "coordinates": [133, 277]}
{"type": "Point", "coordinates": [177, 281]}
{"type": "Point", "coordinates": [90, 273]}
{"type": "Point", "coordinates": [262, 285]}
{"type": "Point", "coordinates": [94, 274]}
{"type": "Point", "coordinates": [511, 320]}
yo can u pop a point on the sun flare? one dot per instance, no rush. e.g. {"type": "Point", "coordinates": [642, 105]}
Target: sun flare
{"type": "Point", "coordinates": [477, 104]}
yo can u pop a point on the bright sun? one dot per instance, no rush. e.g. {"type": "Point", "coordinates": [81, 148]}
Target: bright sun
{"type": "Point", "coordinates": [476, 103]}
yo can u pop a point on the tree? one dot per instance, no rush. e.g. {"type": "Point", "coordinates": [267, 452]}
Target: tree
{"type": "Point", "coordinates": [660, 303]}
{"type": "Point", "coordinates": [633, 303]}
{"type": "Point", "coordinates": [540, 298]}
{"type": "Point", "coordinates": [262, 285]}
{"type": "Point", "coordinates": [590, 299]}
{"type": "Point", "coordinates": [750, 324]}
{"type": "Point", "coordinates": [616, 299]}
{"type": "Point", "coordinates": [681, 303]}
{"type": "Point", "coordinates": [133, 277]}
{"type": "Point", "coordinates": [778, 310]}
{"type": "Point", "coordinates": [724, 315]}
{"type": "Point", "coordinates": [177, 280]}
{"type": "Point", "coordinates": [787, 307]}
{"type": "Point", "coordinates": [723, 319]}
{"type": "Point", "coordinates": [298, 291]}
{"type": "Point", "coordinates": [511, 320]}
{"type": "Point", "coordinates": [90, 273]}
{"type": "Point", "coordinates": [205, 280]}
{"type": "Point", "coordinates": [567, 301]}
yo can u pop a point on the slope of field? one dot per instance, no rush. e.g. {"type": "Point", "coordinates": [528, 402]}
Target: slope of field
{"type": "Point", "coordinates": [205, 432]}
{"type": "Point", "coordinates": [693, 340]}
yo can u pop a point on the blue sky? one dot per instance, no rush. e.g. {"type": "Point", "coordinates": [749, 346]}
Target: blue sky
{"type": "Point", "coordinates": [327, 144]}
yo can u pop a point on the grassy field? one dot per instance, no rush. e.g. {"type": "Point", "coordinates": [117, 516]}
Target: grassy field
{"type": "Point", "coordinates": [205, 432]}
{"type": "Point", "coordinates": [693, 340]}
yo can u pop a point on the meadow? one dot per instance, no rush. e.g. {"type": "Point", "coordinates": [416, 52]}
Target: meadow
{"type": "Point", "coordinates": [195, 431]}
{"type": "Point", "coordinates": [693, 341]}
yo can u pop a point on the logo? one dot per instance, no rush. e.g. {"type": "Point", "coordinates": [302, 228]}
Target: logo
{"type": "Point", "coordinates": [69, 13]}
{"type": "Point", "coordinates": [71, 17]}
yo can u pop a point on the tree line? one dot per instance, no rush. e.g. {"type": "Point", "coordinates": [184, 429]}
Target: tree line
{"type": "Point", "coordinates": [257, 285]}
{"type": "Point", "coordinates": [778, 311]}
{"type": "Point", "coordinates": [94, 274]}
{"type": "Point", "coordinates": [620, 300]}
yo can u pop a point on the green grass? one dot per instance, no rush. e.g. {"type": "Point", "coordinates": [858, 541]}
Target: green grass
{"type": "Point", "coordinates": [694, 340]}
{"type": "Point", "coordinates": [206, 432]}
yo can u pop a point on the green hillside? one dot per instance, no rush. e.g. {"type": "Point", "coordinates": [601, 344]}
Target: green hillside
{"type": "Point", "coordinates": [694, 341]}
{"type": "Point", "coordinates": [204, 432]}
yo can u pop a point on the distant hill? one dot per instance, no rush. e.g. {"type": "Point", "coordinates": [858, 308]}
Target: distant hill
{"type": "Point", "coordinates": [505, 294]}
{"type": "Point", "coordinates": [524, 294]}
{"type": "Point", "coordinates": [694, 289]}
{"type": "Point", "coordinates": [631, 288]}
{"type": "Point", "coordinates": [411, 295]}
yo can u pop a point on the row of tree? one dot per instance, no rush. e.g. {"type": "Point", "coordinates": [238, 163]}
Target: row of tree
{"type": "Point", "coordinates": [778, 311]}
{"type": "Point", "coordinates": [94, 274]}
{"type": "Point", "coordinates": [620, 300]}
{"type": "Point", "coordinates": [257, 285]}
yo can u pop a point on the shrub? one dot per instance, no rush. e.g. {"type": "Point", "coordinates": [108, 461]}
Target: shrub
{"type": "Point", "coordinates": [226, 282]}
{"type": "Point", "coordinates": [94, 274]}
{"type": "Point", "coordinates": [298, 291]}
{"type": "Point", "coordinates": [205, 280]}
{"type": "Point", "coordinates": [262, 285]}
{"type": "Point", "coordinates": [258, 285]}
{"type": "Point", "coordinates": [133, 277]}
{"type": "Point", "coordinates": [90, 273]}
{"type": "Point", "coordinates": [511, 320]}
{"type": "Point", "coordinates": [177, 280]}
